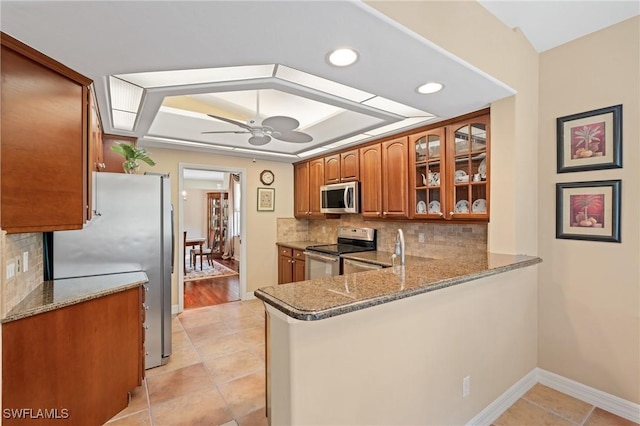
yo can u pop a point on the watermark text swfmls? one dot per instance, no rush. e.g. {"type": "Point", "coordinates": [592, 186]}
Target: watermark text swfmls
{"type": "Point", "coordinates": [35, 413]}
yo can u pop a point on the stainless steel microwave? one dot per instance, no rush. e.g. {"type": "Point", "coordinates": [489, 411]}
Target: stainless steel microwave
{"type": "Point", "coordinates": [340, 198]}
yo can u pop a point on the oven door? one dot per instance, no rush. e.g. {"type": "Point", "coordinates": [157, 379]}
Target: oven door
{"type": "Point", "coordinates": [318, 265]}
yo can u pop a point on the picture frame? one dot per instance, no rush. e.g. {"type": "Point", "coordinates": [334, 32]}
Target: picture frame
{"type": "Point", "coordinates": [266, 199]}
{"type": "Point", "coordinates": [588, 210]}
{"type": "Point", "coordinates": [590, 140]}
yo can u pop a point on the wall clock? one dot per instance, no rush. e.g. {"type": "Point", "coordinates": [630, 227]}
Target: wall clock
{"type": "Point", "coordinates": [267, 177]}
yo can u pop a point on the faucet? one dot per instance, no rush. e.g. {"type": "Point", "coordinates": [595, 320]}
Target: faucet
{"type": "Point", "coordinates": [400, 246]}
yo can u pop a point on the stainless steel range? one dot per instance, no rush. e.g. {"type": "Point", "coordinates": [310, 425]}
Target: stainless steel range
{"type": "Point", "coordinates": [324, 260]}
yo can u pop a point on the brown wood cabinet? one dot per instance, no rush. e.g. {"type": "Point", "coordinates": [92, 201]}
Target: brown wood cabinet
{"type": "Point", "coordinates": [342, 167]}
{"type": "Point", "coordinates": [449, 171]}
{"type": "Point", "coordinates": [308, 178]}
{"type": "Point", "coordinates": [43, 155]}
{"type": "Point", "coordinates": [395, 187]}
{"type": "Point", "coordinates": [82, 358]}
{"type": "Point", "coordinates": [435, 173]}
{"type": "Point", "coordinates": [291, 265]}
{"type": "Point", "coordinates": [371, 181]}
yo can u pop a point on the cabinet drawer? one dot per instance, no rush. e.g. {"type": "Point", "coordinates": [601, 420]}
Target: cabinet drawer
{"type": "Point", "coordinates": [286, 251]}
{"type": "Point", "coordinates": [298, 254]}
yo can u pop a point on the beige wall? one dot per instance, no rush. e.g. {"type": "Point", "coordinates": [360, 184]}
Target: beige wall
{"type": "Point", "coordinates": [470, 32]}
{"type": "Point", "coordinates": [194, 218]}
{"type": "Point", "coordinates": [261, 259]}
{"type": "Point", "coordinates": [589, 292]}
{"type": "Point", "coordinates": [589, 326]}
{"type": "Point", "coordinates": [402, 363]}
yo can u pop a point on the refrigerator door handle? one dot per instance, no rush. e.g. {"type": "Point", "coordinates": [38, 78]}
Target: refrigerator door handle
{"type": "Point", "coordinates": [173, 241]}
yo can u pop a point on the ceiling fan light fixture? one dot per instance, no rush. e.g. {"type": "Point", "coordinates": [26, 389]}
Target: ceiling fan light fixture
{"type": "Point", "coordinates": [431, 87]}
{"type": "Point", "coordinates": [259, 140]}
{"type": "Point", "coordinates": [342, 57]}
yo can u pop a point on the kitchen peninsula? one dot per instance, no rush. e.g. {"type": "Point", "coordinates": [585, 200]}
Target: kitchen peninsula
{"type": "Point", "coordinates": [392, 346]}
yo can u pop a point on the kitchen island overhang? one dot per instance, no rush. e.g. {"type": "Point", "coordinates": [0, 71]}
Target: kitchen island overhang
{"type": "Point", "coordinates": [327, 297]}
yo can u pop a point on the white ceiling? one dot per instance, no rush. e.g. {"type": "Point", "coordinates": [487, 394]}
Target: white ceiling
{"type": "Point", "coordinates": [548, 24]}
{"type": "Point", "coordinates": [103, 38]}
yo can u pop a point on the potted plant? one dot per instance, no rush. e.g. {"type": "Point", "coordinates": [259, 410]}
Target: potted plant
{"type": "Point", "coordinates": [132, 155]}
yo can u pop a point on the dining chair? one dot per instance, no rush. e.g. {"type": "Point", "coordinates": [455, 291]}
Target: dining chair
{"type": "Point", "coordinates": [195, 252]}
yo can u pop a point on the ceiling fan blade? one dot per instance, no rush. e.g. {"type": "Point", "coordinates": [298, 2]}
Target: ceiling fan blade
{"type": "Point", "coordinates": [259, 140]}
{"type": "Point", "coordinates": [228, 131]}
{"type": "Point", "coordinates": [280, 123]}
{"type": "Point", "coordinates": [293, 136]}
{"type": "Point", "coordinates": [228, 120]}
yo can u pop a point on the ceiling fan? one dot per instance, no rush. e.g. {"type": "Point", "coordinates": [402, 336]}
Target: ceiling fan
{"type": "Point", "coordinates": [278, 127]}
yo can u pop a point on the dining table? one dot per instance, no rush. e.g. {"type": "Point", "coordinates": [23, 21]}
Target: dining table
{"type": "Point", "coordinates": [192, 242]}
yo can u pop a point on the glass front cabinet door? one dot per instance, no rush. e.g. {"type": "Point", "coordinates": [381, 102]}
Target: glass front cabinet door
{"type": "Point", "coordinates": [449, 172]}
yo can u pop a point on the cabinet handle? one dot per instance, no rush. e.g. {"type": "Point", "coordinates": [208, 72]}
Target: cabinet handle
{"type": "Point", "coordinates": [451, 213]}
{"type": "Point", "coordinates": [293, 261]}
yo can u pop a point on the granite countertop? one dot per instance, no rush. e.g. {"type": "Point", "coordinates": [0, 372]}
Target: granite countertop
{"type": "Point", "coordinates": [327, 297]}
{"type": "Point", "coordinates": [59, 293]}
{"type": "Point", "coordinates": [298, 245]}
{"type": "Point", "coordinates": [383, 258]}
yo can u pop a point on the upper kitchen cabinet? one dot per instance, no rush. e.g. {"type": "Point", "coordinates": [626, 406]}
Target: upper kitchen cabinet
{"type": "Point", "coordinates": [43, 155]}
{"type": "Point", "coordinates": [395, 161]}
{"type": "Point", "coordinates": [468, 173]}
{"type": "Point", "coordinates": [449, 171]}
{"type": "Point", "coordinates": [342, 167]}
{"type": "Point", "coordinates": [371, 181]}
{"type": "Point", "coordinates": [308, 178]}
{"type": "Point", "coordinates": [383, 180]}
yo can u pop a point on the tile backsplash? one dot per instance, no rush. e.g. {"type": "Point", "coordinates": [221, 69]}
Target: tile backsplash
{"type": "Point", "coordinates": [440, 239]}
{"type": "Point", "coordinates": [14, 290]}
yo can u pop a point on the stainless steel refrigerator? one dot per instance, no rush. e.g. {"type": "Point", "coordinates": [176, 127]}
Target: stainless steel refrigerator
{"type": "Point", "coordinates": [132, 230]}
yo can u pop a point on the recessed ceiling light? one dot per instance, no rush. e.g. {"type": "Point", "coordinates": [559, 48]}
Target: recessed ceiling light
{"type": "Point", "coordinates": [342, 57]}
{"type": "Point", "coordinates": [431, 87]}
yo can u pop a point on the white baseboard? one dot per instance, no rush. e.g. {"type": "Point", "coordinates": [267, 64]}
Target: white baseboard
{"type": "Point", "coordinates": [175, 309]}
{"type": "Point", "coordinates": [611, 403]}
{"type": "Point", "coordinates": [606, 401]}
{"type": "Point", "coordinates": [506, 400]}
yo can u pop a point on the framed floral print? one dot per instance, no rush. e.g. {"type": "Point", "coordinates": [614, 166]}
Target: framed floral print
{"type": "Point", "coordinates": [588, 210]}
{"type": "Point", "coordinates": [266, 199]}
{"type": "Point", "coordinates": [590, 140]}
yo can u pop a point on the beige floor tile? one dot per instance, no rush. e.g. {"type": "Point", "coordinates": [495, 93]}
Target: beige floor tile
{"type": "Point", "coordinates": [252, 336]}
{"type": "Point", "coordinates": [208, 332]}
{"type": "Point", "coordinates": [256, 418]}
{"type": "Point", "coordinates": [183, 354]}
{"type": "Point", "coordinates": [141, 418]}
{"type": "Point", "coordinates": [221, 346]}
{"type": "Point", "coordinates": [198, 408]}
{"type": "Point", "coordinates": [234, 365]}
{"type": "Point", "coordinates": [139, 402]}
{"type": "Point", "coordinates": [175, 324]}
{"type": "Point", "coordinates": [245, 395]}
{"type": "Point", "coordinates": [187, 380]}
{"type": "Point", "coordinates": [197, 317]}
{"type": "Point", "coordinates": [258, 350]}
{"type": "Point", "coordinates": [233, 310]}
{"type": "Point", "coordinates": [243, 323]}
{"type": "Point", "coordinates": [255, 304]}
{"type": "Point", "coordinates": [523, 413]}
{"type": "Point", "coordinates": [599, 417]}
{"type": "Point", "coordinates": [558, 403]}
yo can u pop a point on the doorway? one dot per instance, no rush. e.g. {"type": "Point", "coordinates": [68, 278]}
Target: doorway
{"type": "Point", "coordinates": [212, 231]}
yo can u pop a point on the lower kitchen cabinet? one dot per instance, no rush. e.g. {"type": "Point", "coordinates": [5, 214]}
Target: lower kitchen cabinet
{"type": "Point", "coordinates": [291, 265]}
{"type": "Point", "coordinates": [80, 360]}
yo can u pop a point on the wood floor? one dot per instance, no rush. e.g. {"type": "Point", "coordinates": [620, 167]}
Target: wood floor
{"type": "Point", "coordinates": [213, 291]}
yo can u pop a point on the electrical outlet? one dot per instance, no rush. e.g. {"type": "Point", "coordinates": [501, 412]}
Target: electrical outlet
{"type": "Point", "coordinates": [466, 386]}
{"type": "Point", "coordinates": [18, 262]}
{"type": "Point", "coordinates": [11, 270]}
{"type": "Point", "coordinates": [25, 261]}
{"type": "Point", "coordinates": [421, 237]}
